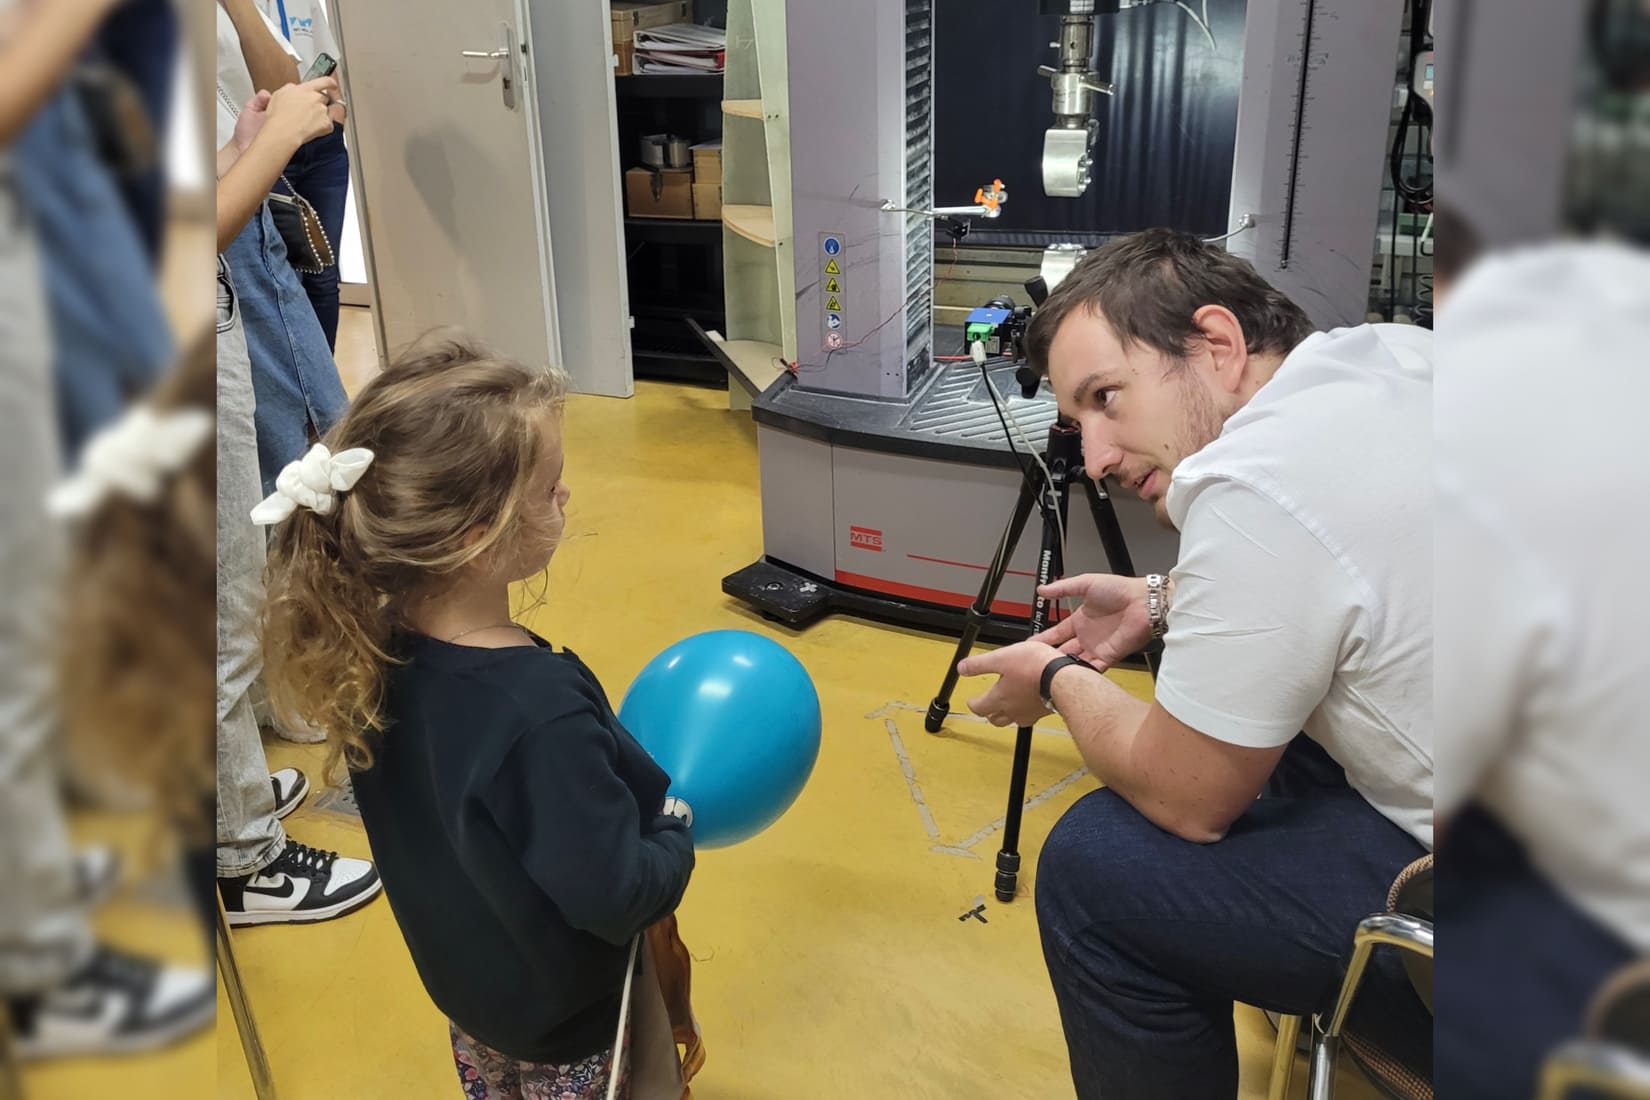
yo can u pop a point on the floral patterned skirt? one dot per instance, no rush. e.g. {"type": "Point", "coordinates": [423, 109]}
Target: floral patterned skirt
{"type": "Point", "coordinates": [486, 1074]}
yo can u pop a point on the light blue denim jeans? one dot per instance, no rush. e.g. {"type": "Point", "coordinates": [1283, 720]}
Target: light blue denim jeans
{"type": "Point", "coordinates": [110, 335]}
{"type": "Point", "coordinates": [293, 374]}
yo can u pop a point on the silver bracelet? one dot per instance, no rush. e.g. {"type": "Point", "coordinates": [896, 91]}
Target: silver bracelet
{"type": "Point", "coordinates": [1157, 603]}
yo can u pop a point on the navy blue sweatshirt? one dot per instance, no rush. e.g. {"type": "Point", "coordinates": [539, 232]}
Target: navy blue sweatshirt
{"type": "Point", "coordinates": [515, 824]}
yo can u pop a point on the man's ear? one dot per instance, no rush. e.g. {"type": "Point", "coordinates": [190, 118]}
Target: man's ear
{"type": "Point", "coordinates": [1224, 341]}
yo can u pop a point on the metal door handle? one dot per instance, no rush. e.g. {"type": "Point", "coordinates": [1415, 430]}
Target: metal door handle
{"type": "Point", "coordinates": [506, 56]}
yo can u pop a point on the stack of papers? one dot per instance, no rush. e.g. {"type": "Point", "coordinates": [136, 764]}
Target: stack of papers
{"type": "Point", "coordinates": [681, 48]}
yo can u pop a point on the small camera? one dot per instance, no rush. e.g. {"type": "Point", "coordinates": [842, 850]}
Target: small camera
{"type": "Point", "coordinates": [1000, 326]}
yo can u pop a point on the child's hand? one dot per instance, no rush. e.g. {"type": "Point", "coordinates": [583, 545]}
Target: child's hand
{"type": "Point", "coordinates": [675, 807]}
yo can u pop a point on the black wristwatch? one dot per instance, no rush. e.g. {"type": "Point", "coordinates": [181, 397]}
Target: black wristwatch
{"type": "Point", "coordinates": [1046, 685]}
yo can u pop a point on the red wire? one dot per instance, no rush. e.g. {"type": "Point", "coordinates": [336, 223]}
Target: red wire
{"type": "Point", "coordinates": [950, 267]}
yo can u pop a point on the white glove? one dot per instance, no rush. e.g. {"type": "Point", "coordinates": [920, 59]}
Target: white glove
{"type": "Point", "coordinates": [675, 807]}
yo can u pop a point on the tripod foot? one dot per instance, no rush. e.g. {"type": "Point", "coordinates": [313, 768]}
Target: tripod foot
{"type": "Point", "coordinates": [1008, 874]}
{"type": "Point", "coordinates": [936, 716]}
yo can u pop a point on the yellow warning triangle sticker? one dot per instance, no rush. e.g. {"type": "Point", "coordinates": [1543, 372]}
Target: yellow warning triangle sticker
{"type": "Point", "coordinates": [832, 286]}
{"type": "Point", "coordinates": [832, 269]}
{"type": "Point", "coordinates": [831, 304]}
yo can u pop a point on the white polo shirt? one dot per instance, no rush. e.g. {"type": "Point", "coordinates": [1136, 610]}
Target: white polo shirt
{"type": "Point", "coordinates": [234, 79]}
{"type": "Point", "coordinates": [1303, 592]}
{"type": "Point", "coordinates": [1543, 519]}
{"type": "Point", "coordinates": [305, 24]}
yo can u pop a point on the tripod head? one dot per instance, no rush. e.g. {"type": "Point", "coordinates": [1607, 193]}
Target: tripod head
{"type": "Point", "coordinates": [1037, 290]}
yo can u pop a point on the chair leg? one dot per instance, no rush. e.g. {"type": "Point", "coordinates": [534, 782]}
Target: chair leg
{"type": "Point", "coordinates": [11, 1077]}
{"type": "Point", "coordinates": [1383, 929]}
{"type": "Point", "coordinates": [1320, 1073]}
{"type": "Point", "coordinates": [1283, 1057]}
{"type": "Point", "coordinates": [257, 1063]}
{"type": "Point", "coordinates": [1595, 1064]}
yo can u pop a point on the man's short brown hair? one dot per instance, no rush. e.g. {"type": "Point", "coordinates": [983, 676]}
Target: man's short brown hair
{"type": "Point", "coordinates": [1148, 285]}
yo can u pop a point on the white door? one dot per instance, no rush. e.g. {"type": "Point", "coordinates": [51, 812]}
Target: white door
{"type": "Point", "coordinates": [447, 134]}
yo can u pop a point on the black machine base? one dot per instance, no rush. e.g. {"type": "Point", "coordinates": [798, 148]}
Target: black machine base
{"type": "Point", "coordinates": [797, 598]}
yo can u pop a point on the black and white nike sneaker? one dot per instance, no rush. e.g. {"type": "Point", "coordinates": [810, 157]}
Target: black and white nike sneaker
{"type": "Point", "coordinates": [115, 1004]}
{"type": "Point", "coordinates": [304, 884]}
{"type": "Point", "coordinates": [291, 785]}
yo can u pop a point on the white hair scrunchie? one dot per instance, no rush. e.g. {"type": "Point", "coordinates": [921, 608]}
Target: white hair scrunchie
{"type": "Point", "coordinates": [312, 482]}
{"type": "Point", "coordinates": [131, 458]}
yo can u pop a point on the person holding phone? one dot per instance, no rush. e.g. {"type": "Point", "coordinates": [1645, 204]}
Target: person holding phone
{"type": "Point", "coordinates": [272, 365]}
{"type": "Point", "coordinates": [320, 169]}
{"type": "Point", "coordinates": [299, 393]}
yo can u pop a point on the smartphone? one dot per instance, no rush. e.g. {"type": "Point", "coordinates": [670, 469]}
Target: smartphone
{"type": "Point", "coordinates": [324, 65]}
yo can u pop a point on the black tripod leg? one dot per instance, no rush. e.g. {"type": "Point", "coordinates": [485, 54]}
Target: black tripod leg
{"type": "Point", "coordinates": [1117, 551]}
{"type": "Point", "coordinates": [1008, 858]}
{"type": "Point", "coordinates": [1050, 564]}
{"type": "Point", "coordinates": [981, 610]}
{"type": "Point", "coordinates": [1111, 532]}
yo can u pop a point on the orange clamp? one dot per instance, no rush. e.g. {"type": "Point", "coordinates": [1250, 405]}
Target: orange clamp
{"type": "Point", "coordinates": [990, 199]}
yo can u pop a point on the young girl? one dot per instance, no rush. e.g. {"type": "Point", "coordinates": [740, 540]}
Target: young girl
{"type": "Point", "coordinates": [520, 831]}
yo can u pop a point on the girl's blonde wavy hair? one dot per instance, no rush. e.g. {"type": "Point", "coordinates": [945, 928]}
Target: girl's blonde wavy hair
{"type": "Point", "coordinates": [138, 643]}
{"type": "Point", "coordinates": [455, 435]}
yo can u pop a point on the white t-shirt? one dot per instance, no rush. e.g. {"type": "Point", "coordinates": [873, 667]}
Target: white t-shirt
{"type": "Point", "coordinates": [1543, 519]}
{"type": "Point", "coordinates": [234, 79]}
{"type": "Point", "coordinates": [306, 29]}
{"type": "Point", "coordinates": [1303, 592]}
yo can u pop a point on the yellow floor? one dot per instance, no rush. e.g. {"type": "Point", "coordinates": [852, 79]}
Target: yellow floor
{"type": "Point", "coordinates": [831, 958]}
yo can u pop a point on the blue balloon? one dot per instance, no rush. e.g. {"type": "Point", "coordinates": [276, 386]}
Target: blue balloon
{"type": "Point", "coordinates": [734, 719]}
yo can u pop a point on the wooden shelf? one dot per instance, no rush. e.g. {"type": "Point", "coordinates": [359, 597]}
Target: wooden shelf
{"type": "Point", "coordinates": [754, 223]}
{"type": "Point", "coordinates": [757, 363]}
{"type": "Point", "coordinates": [742, 108]}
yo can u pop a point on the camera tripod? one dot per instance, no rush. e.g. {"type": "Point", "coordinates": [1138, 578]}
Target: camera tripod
{"type": "Point", "coordinates": [1064, 457]}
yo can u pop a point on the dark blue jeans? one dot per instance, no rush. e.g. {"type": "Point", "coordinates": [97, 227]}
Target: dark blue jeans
{"type": "Point", "coordinates": [1150, 938]}
{"type": "Point", "coordinates": [140, 37]}
{"type": "Point", "coordinates": [319, 171]}
{"type": "Point", "coordinates": [1520, 970]}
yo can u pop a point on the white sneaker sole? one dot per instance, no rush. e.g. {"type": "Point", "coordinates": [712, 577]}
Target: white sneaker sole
{"type": "Point", "coordinates": [304, 916]}
{"type": "Point", "coordinates": [35, 1050]}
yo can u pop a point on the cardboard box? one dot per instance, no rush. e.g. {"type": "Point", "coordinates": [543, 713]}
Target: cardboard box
{"type": "Point", "coordinates": [707, 162]}
{"type": "Point", "coordinates": [707, 201]}
{"type": "Point", "coordinates": [626, 54]}
{"type": "Point", "coordinates": [630, 16]}
{"type": "Point", "coordinates": [674, 198]}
